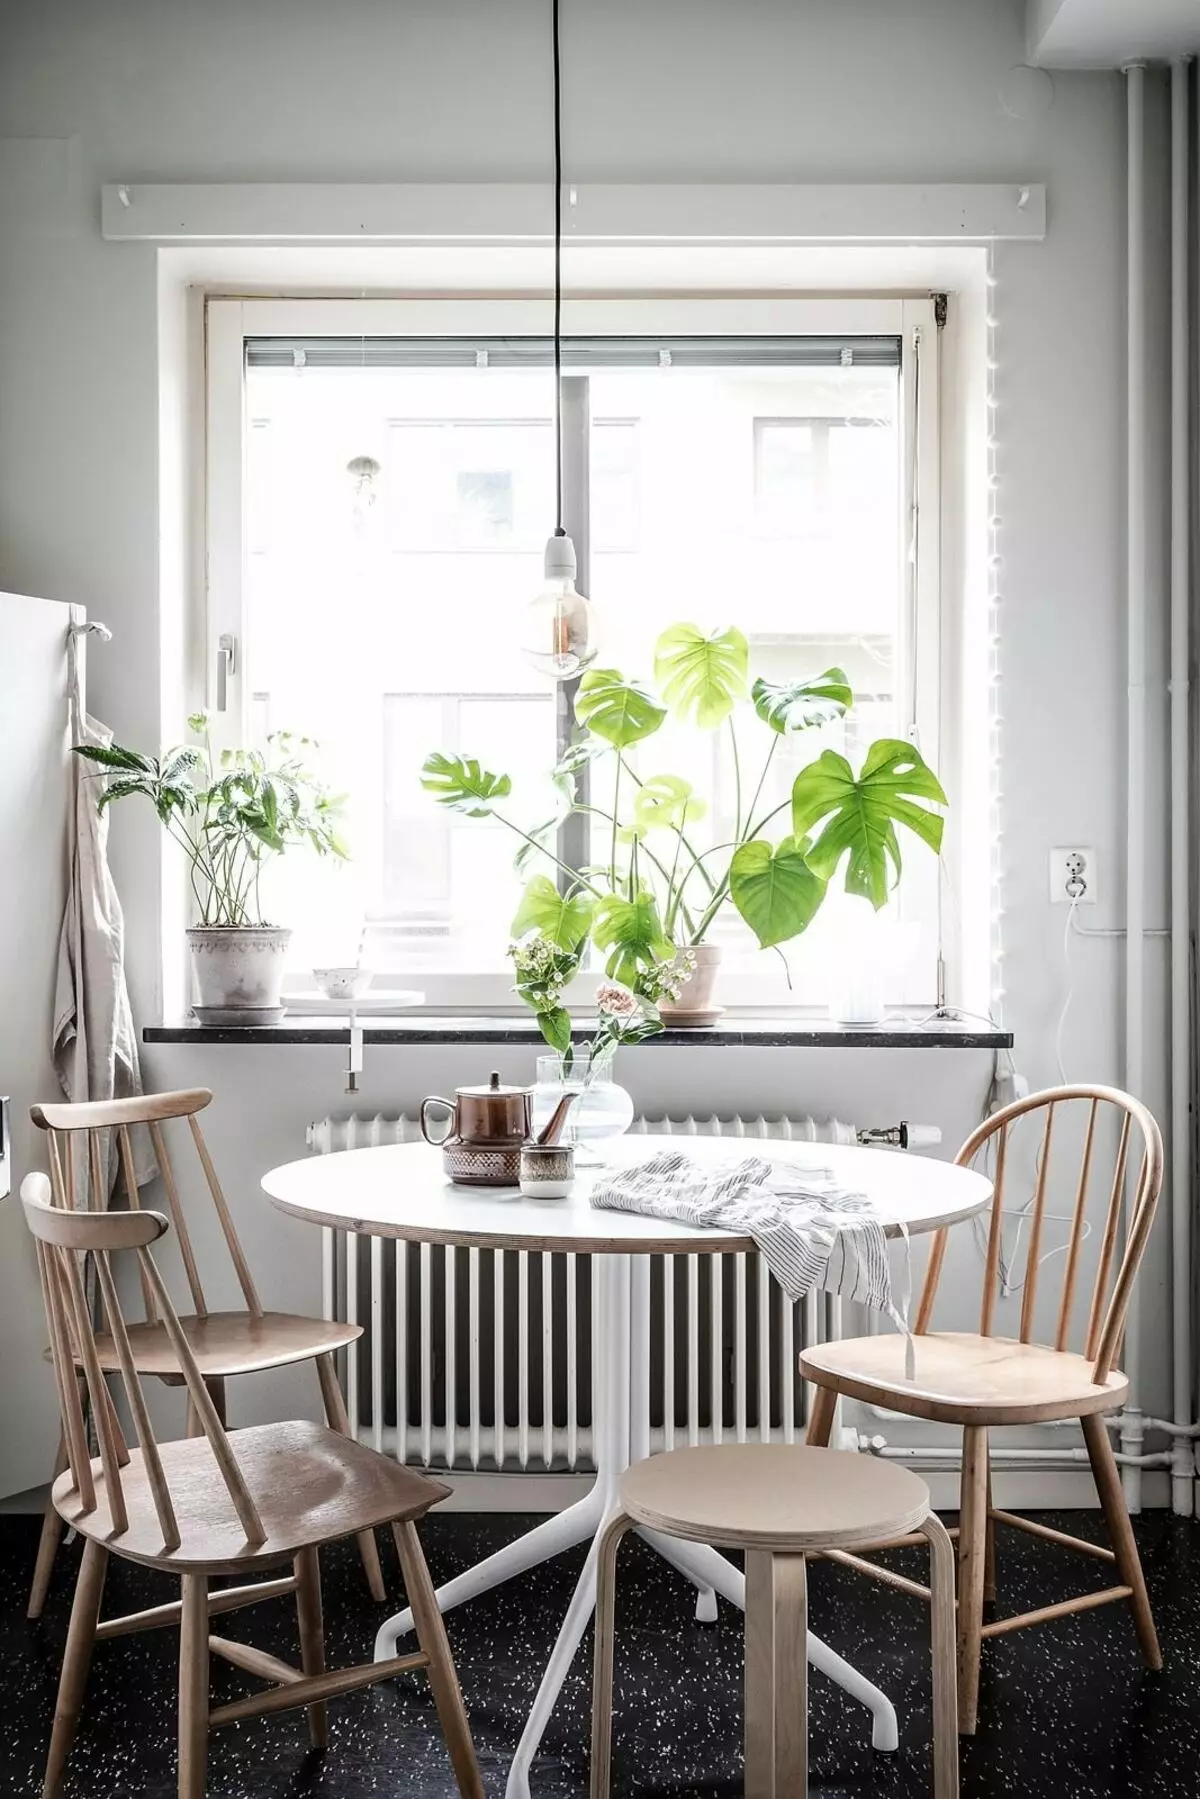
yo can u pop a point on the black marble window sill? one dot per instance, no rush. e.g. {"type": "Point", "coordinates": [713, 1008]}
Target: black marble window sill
{"type": "Point", "coordinates": [732, 1032]}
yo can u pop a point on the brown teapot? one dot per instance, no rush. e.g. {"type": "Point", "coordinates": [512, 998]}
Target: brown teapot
{"type": "Point", "coordinates": [486, 1127]}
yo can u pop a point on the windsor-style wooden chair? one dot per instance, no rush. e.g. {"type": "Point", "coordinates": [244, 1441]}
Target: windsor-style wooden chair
{"type": "Point", "coordinates": [979, 1380]}
{"type": "Point", "coordinates": [265, 1497]}
{"type": "Point", "coordinates": [223, 1343]}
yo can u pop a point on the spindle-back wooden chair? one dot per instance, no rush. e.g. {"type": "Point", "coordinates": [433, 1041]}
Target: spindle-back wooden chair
{"type": "Point", "coordinates": [980, 1380]}
{"type": "Point", "coordinates": [266, 1496]}
{"type": "Point", "coordinates": [223, 1343]}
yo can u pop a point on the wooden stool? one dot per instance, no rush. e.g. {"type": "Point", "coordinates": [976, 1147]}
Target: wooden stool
{"type": "Point", "coordinates": [781, 1503]}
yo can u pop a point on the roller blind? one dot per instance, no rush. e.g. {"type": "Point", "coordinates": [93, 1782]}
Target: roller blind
{"type": "Point", "coordinates": [578, 352]}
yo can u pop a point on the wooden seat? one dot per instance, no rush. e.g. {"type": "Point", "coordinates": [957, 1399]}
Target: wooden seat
{"type": "Point", "coordinates": [979, 1380]}
{"type": "Point", "coordinates": [82, 1140]}
{"type": "Point", "coordinates": [215, 1504]}
{"type": "Point", "coordinates": [780, 1503]}
{"type": "Point", "coordinates": [958, 1376]}
{"type": "Point", "coordinates": [227, 1343]}
{"type": "Point", "coordinates": [309, 1485]}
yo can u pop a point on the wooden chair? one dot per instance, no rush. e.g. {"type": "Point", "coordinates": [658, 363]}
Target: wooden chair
{"type": "Point", "coordinates": [979, 1380]}
{"type": "Point", "coordinates": [223, 1343]}
{"type": "Point", "coordinates": [781, 1503]}
{"type": "Point", "coordinates": [265, 1497]}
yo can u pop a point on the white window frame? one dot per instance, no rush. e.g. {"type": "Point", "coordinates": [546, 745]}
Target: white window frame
{"type": "Point", "coordinates": [229, 322]}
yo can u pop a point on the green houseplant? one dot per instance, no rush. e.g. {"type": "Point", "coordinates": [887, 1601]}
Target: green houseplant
{"type": "Point", "coordinates": [657, 893]}
{"type": "Point", "coordinates": [231, 814]}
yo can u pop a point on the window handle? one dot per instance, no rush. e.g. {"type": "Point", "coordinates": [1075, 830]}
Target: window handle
{"type": "Point", "coordinates": [226, 666]}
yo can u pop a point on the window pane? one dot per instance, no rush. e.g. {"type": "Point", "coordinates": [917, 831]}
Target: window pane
{"type": "Point", "coordinates": [774, 501]}
{"type": "Point", "coordinates": [383, 616]}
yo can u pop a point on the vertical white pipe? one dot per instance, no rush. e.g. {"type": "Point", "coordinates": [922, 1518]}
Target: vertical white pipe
{"type": "Point", "coordinates": [1183, 1458]}
{"type": "Point", "coordinates": [1135, 797]}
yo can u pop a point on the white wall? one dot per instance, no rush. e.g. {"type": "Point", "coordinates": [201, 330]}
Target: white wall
{"type": "Point", "coordinates": [94, 90]}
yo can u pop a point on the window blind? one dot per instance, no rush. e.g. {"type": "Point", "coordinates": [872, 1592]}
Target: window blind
{"type": "Point", "coordinates": [577, 352]}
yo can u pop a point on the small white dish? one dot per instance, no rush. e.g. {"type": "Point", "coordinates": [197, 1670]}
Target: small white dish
{"type": "Point", "coordinates": [343, 983]}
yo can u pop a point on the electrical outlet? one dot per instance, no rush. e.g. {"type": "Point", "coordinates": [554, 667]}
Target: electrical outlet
{"type": "Point", "coordinates": [1073, 877]}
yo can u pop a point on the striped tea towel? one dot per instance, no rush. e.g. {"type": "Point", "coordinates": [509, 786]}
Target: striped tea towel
{"type": "Point", "coordinates": [810, 1230]}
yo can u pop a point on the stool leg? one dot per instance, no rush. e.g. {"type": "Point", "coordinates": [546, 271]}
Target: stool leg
{"type": "Point", "coordinates": [972, 1558]}
{"type": "Point", "coordinates": [945, 1685]}
{"type": "Point", "coordinates": [776, 1676]}
{"type": "Point", "coordinates": [602, 1661]}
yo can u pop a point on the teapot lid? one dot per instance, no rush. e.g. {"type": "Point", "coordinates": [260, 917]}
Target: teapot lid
{"type": "Point", "coordinates": [493, 1089]}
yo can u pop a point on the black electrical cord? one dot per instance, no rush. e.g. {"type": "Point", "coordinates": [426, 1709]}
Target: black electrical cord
{"type": "Point", "coordinates": [558, 177]}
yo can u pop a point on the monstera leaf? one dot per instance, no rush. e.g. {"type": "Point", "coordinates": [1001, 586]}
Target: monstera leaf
{"type": "Point", "coordinates": [461, 785]}
{"type": "Point", "coordinates": [632, 931]}
{"type": "Point", "coordinates": [775, 890]}
{"type": "Point", "coordinates": [701, 676]}
{"type": "Point", "coordinates": [616, 709]}
{"type": "Point", "coordinates": [564, 918]}
{"type": "Point", "coordinates": [858, 815]}
{"type": "Point", "coordinates": [799, 705]}
{"type": "Point", "coordinates": [666, 802]}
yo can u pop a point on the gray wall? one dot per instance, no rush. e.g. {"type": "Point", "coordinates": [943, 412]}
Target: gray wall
{"type": "Point", "coordinates": [900, 90]}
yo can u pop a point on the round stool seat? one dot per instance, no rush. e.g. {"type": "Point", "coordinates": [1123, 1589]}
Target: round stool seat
{"type": "Point", "coordinates": [777, 1496]}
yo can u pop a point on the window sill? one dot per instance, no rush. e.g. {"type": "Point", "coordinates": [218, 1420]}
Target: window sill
{"type": "Point", "coordinates": [758, 1032]}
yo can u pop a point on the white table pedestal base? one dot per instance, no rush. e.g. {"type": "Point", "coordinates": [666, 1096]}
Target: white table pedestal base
{"type": "Point", "coordinates": [620, 1431]}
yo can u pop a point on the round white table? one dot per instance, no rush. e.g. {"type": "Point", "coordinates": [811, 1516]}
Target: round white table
{"type": "Point", "coordinates": [401, 1191]}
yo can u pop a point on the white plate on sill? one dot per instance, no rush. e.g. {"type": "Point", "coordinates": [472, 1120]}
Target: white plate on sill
{"type": "Point", "coordinates": [378, 1002]}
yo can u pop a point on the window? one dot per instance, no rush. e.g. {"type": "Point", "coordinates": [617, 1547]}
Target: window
{"type": "Point", "coordinates": [380, 492]}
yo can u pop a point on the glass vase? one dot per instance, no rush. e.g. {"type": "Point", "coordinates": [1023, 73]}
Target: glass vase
{"type": "Point", "coordinates": [602, 1110]}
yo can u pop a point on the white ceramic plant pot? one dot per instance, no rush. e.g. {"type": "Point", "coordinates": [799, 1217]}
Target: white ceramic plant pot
{"type": "Point", "coordinates": [694, 1008]}
{"type": "Point", "coordinates": [239, 968]}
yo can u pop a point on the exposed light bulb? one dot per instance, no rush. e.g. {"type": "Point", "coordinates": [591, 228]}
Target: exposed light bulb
{"type": "Point", "coordinates": [560, 637]}
{"type": "Point", "coordinates": [364, 473]}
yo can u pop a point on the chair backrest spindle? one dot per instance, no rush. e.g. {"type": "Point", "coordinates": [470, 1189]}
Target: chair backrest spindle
{"type": "Point", "coordinates": [1078, 1220]}
{"type": "Point", "coordinates": [1033, 1260]}
{"type": "Point", "coordinates": [992, 1267]}
{"type": "Point", "coordinates": [242, 1267]}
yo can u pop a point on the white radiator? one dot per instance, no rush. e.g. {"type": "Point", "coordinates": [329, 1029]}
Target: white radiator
{"type": "Point", "coordinates": [481, 1360]}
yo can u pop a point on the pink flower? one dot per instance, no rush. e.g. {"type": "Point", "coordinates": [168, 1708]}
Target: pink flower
{"type": "Point", "coordinates": [615, 1001]}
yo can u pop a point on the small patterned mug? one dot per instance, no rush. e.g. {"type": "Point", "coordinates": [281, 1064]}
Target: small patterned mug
{"type": "Point", "coordinates": [547, 1170]}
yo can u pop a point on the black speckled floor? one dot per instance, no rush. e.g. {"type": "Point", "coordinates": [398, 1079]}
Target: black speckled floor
{"type": "Point", "coordinates": [1067, 1711]}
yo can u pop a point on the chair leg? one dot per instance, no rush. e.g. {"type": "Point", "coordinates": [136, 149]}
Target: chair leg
{"type": "Point", "coordinates": [972, 1557]}
{"type": "Point", "coordinates": [776, 1676]}
{"type": "Point", "coordinates": [193, 1687]}
{"type": "Point", "coordinates": [307, 1568]}
{"type": "Point", "coordinates": [945, 1685]}
{"type": "Point", "coordinates": [338, 1418]}
{"type": "Point", "coordinates": [602, 1661]}
{"type": "Point", "coordinates": [443, 1679]}
{"type": "Point", "coordinates": [81, 1634]}
{"type": "Point", "coordinates": [1120, 1530]}
{"type": "Point", "coordinates": [989, 1558]}
{"type": "Point", "coordinates": [43, 1568]}
{"type": "Point", "coordinates": [820, 1418]}
{"type": "Point", "coordinates": [216, 1392]}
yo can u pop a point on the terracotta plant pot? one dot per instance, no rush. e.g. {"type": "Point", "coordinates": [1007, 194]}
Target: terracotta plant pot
{"type": "Point", "coordinates": [694, 1008]}
{"type": "Point", "coordinates": [239, 970]}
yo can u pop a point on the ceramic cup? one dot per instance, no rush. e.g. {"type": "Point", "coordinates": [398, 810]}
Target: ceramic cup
{"type": "Point", "coordinates": [547, 1170]}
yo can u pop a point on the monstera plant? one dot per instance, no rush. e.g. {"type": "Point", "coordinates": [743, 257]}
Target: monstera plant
{"type": "Point", "coordinates": [659, 891]}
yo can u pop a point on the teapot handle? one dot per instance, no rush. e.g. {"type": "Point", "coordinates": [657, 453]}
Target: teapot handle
{"type": "Point", "coordinates": [436, 1100]}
